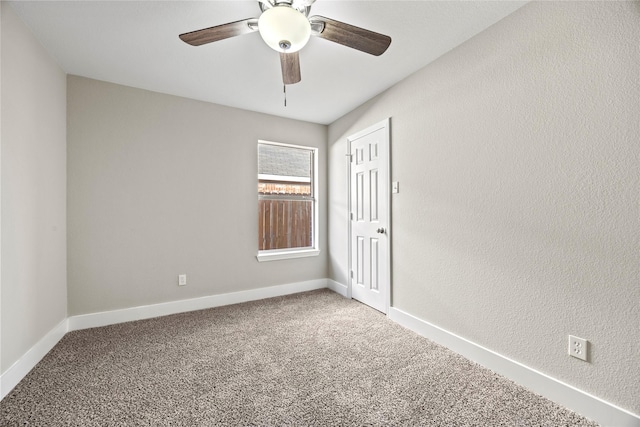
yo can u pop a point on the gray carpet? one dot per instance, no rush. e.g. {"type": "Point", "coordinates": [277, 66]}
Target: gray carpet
{"type": "Point", "coordinates": [311, 359]}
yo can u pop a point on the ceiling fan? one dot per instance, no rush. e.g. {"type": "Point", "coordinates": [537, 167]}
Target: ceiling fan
{"type": "Point", "coordinates": [286, 27]}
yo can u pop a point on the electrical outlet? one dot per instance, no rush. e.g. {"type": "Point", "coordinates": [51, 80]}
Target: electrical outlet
{"type": "Point", "coordinates": [578, 347]}
{"type": "Point", "coordinates": [182, 280]}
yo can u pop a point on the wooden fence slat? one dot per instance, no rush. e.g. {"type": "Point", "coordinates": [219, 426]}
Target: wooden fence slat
{"type": "Point", "coordinates": [284, 224]}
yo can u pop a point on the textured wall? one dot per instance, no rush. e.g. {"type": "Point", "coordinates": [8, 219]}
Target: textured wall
{"type": "Point", "coordinates": [161, 185]}
{"type": "Point", "coordinates": [34, 295]}
{"type": "Point", "coordinates": [518, 217]}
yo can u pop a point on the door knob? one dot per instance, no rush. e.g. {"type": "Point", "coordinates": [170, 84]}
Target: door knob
{"type": "Point", "coordinates": [380, 230]}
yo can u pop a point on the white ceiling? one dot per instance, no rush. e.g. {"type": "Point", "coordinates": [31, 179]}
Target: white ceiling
{"type": "Point", "coordinates": [135, 43]}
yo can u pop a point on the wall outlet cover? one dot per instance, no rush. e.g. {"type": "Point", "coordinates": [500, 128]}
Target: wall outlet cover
{"type": "Point", "coordinates": [578, 347]}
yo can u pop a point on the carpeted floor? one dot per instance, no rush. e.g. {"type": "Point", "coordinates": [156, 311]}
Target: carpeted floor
{"type": "Point", "coordinates": [311, 359]}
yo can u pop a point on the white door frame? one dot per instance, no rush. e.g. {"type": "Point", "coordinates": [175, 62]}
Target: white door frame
{"type": "Point", "coordinates": [384, 124]}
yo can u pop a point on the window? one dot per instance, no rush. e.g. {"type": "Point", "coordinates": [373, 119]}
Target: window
{"type": "Point", "coordinates": [287, 205]}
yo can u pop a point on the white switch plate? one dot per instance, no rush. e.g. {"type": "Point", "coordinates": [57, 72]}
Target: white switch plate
{"type": "Point", "coordinates": [395, 187]}
{"type": "Point", "coordinates": [182, 280]}
{"type": "Point", "coordinates": [578, 347]}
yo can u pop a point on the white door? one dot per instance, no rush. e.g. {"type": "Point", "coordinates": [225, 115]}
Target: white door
{"type": "Point", "coordinates": [369, 250]}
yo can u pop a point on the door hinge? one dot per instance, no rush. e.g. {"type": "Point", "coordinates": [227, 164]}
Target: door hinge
{"type": "Point", "coordinates": [351, 216]}
{"type": "Point", "coordinates": [352, 274]}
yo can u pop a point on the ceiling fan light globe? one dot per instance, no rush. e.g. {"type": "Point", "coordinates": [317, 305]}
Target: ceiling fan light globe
{"type": "Point", "coordinates": [284, 29]}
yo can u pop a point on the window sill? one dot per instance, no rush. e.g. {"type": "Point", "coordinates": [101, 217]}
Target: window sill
{"type": "Point", "coordinates": [275, 255]}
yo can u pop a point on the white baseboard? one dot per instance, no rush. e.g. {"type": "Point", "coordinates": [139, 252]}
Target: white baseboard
{"type": "Point", "coordinates": [337, 287]}
{"type": "Point", "coordinates": [566, 395]}
{"type": "Point", "coordinates": [106, 318]}
{"type": "Point", "coordinates": [12, 376]}
{"type": "Point", "coordinates": [583, 403]}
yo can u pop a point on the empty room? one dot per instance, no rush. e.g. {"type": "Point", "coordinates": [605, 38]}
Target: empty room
{"type": "Point", "coordinates": [319, 213]}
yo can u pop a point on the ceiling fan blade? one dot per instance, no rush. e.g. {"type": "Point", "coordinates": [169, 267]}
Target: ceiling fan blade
{"type": "Point", "coordinates": [220, 32]}
{"type": "Point", "coordinates": [290, 63]}
{"type": "Point", "coordinates": [352, 36]}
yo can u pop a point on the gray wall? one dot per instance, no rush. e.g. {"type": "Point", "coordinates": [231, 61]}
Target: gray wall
{"type": "Point", "coordinates": [518, 219]}
{"type": "Point", "coordinates": [33, 196]}
{"type": "Point", "coordinates": [160, 185]}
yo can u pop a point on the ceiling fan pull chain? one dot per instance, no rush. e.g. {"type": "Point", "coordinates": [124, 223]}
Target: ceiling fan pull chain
{"type": "Point", "coordinates": [284, 89]}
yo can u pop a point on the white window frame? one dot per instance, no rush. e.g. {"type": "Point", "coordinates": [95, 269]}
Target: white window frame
{"type": "Point", "coordinates": [280, 254]}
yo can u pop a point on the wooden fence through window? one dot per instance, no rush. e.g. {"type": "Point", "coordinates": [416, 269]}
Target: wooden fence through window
{"type": "Point", "coordinates": [284, 224]}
